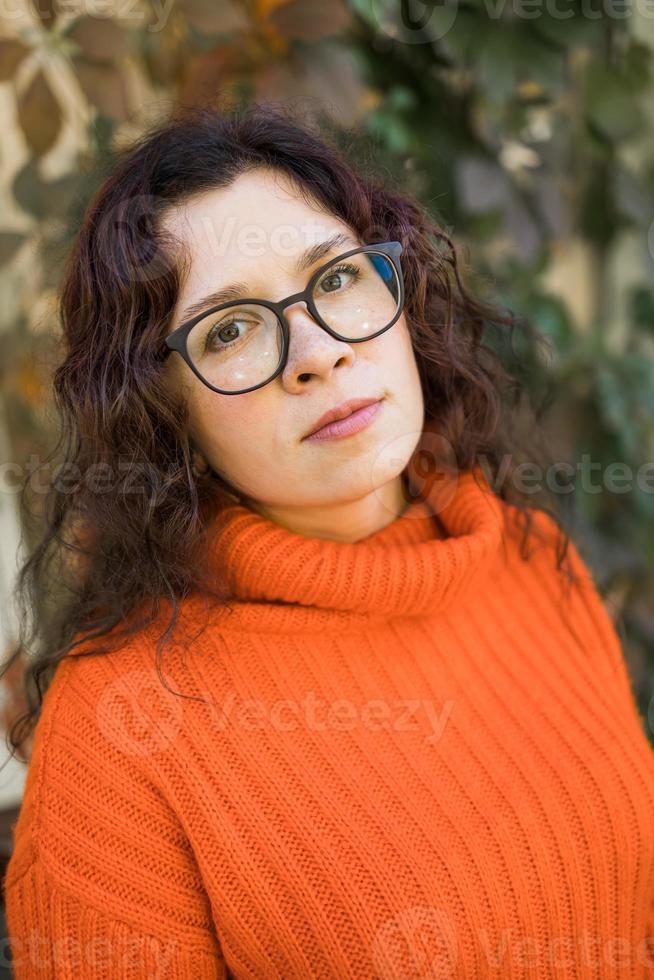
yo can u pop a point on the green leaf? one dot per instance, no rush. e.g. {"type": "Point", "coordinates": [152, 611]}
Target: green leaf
{"type": "Point", "coordinates": [553, 320]}
{"type": "Point", "coordinates": [569, 32]}
{"type": "Point", "coordinates": [641, 307]}
{"type": "Point", "coordinates": [10, 242]}
{"type": "Point", "coordinates": [30, 192]}
{"type": "Point", "coordinates": [611, 104]}
{"type": "Point", "coordinates": [637, 65]}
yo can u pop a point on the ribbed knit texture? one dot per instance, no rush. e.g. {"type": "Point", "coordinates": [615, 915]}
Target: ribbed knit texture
{"type": "Point", "coordinates": [414, 756]}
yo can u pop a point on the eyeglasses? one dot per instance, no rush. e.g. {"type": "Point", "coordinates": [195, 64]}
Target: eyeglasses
{"type": "Point", "coordinates": [242, 345]}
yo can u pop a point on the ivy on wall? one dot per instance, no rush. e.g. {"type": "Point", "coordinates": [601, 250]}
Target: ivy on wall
{"type": "Point", "coordinates": [523, 125]}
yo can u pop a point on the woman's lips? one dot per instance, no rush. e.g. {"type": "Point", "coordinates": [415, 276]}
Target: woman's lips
{"type": "Point", "coordinates": [342, 428]}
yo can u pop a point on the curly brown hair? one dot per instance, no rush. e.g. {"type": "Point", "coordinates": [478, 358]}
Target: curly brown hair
{"type": "Point", "coordinates": [108, 562]}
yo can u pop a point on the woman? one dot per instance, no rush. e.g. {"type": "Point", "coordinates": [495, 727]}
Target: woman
{"type": "Point", "coordinates": [394, 735]}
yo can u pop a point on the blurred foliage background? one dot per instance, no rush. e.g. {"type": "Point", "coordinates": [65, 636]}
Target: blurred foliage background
{"type": "Point", "coordinates": [525, 126]}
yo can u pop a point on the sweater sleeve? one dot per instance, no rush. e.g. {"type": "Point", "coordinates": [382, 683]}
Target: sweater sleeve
{"type": "Point", "coordinates": [60, 935]}
{"type": "Point", "coordinates": [102, 882]}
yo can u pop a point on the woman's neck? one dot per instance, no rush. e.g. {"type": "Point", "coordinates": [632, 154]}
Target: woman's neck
{"type": "Point", "coordinates": [348, 521]}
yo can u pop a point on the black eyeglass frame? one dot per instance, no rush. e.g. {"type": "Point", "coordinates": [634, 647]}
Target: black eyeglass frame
{"type": "Point", "coordinates": [177, 340]}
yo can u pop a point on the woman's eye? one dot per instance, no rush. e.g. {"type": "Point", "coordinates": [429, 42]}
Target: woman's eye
{"type": "Point", "coordinates": [337, 278]}
{"type": "Point", "coordinates": [229, 331]}
{"type": "Point", "coordinates": [331, 282]}
{"type": "Point", "coordinates": [226, 333]}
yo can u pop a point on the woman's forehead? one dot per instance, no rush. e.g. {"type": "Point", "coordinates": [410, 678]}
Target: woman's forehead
{"type": "Point", "coordinates": [257, 214]}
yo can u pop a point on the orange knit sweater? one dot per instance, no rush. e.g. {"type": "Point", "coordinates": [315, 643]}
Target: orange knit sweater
{"type": "Point", "coordinates": [413, 756]}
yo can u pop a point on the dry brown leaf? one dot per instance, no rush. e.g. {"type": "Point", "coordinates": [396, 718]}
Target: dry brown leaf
{"type": "Point", "coordinates": [100, 38]}
{"type": "Point", "coordinates": [39, 115]}
{"type": "Point", "coordinates": [164, 59]}
{"type": "Point", "coordinates": [226, 17]}
{"type": "Point", "coordinates": [310, 20]}
{"type": "Point", "coordinates": [326, 73]}
{"type": "Point", "coordinates": [29, 384]}
{"type": "Point", "coordinates": [12, 52]}
{"type": "Point", "coordinates": [210, 75]}
{"type": "Point", "coordinates": [104, 87]}
{"type": "Point", "coordinates": [263, 8]}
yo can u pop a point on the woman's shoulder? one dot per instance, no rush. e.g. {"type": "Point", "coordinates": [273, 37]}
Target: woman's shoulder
{"type": "Point", "coordinates": [96, 814]}
{"type": "Point", "coordinates": [87, 751]}
{"type": "Point", "coordinates": [549, 563]}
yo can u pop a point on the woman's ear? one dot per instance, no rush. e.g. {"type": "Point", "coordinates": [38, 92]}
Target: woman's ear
{"type": "Point", "coordinates": [199, 464]}
{"type": "Point", "coordinates": [201, 468]}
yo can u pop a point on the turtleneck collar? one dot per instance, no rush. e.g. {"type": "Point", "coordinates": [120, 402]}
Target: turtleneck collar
{"type": "Point", "coordinates": [409, 567]}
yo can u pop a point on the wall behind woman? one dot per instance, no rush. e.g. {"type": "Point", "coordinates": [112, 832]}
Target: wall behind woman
{"type": "Point", "coordinates": [525, 127]}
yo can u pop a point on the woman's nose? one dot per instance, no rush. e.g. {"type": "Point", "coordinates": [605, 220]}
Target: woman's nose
{"type": "Point", "coordinates": [312, 351]}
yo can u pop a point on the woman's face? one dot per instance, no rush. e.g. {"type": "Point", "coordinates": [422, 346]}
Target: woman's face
{"type": "Point", "coordinates": [252, 233]}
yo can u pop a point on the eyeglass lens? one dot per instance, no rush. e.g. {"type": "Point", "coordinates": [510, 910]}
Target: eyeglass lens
{"type": "Point", "coordinates": [241, 346]}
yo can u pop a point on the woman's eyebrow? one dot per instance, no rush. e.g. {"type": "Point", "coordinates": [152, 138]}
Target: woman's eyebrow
{"type": "Point", "coordinates": [237, 290]}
